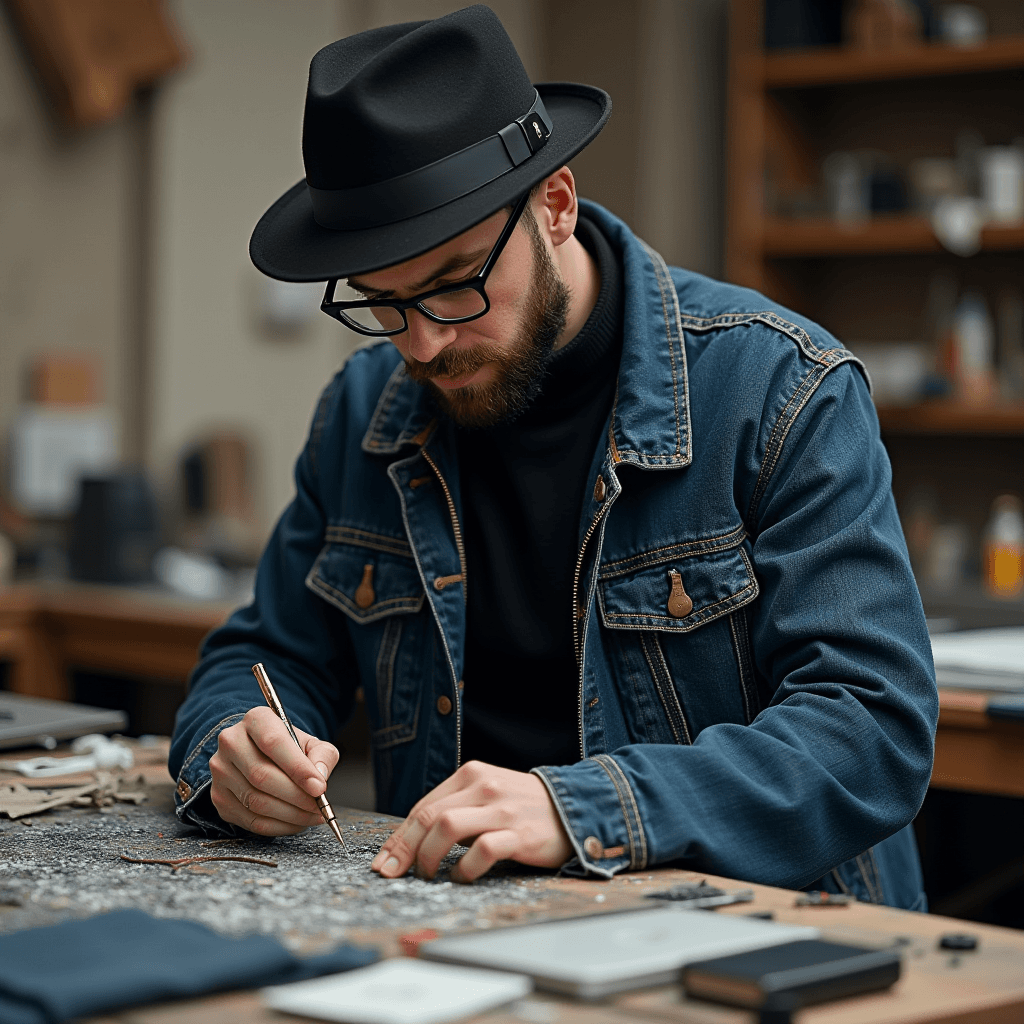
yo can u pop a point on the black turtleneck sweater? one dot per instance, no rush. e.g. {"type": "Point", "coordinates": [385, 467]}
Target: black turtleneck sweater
{"type": "Point", "coordinates": [522, 497]}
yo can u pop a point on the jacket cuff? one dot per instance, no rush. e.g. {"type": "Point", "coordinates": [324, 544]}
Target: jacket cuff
{"type": "Point", "coordinates": [600, 815]}
{"type": "Point", "coordinates": [192, 802]}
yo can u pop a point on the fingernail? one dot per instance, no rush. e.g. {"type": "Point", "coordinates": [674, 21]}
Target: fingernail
{"type": "Point", "coordinates": [321, 768]}
{"type": "Point", "coordinates": [391, 865]}
{"type": "Point", "coordinates": [315, 786]}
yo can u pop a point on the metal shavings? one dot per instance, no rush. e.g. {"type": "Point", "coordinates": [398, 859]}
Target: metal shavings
{"type": "Point", "coordinates": [185, 862]}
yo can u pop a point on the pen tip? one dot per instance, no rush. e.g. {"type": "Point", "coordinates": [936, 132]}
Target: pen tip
{"type": "Point", "coordinates": [337, 832]}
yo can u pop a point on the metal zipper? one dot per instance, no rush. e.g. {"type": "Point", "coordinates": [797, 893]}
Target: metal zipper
{"type": "Point", "coordinates": [576, 615]}
{"type": "Point", "coordinates": [457, 530]}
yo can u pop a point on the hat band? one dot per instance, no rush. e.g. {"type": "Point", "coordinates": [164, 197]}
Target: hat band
{"type": "Point", "coordinates": [426, 188]}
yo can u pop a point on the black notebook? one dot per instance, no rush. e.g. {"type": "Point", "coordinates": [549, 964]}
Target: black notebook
{"type": "Point", "coordinates": [812, 971]}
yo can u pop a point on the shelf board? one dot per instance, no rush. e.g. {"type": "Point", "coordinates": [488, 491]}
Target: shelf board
{"type": "Point", "coordinates": [892, 233]}
{"type": "Point", "coordinates": [952, 418]}
{"type": "Point", "coordinates": [838, 65]}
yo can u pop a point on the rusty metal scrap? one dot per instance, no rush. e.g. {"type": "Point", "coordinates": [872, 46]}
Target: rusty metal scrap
{"type": "Point", "coordinates": [186, 862]}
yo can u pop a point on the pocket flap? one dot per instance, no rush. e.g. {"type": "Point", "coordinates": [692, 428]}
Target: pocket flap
{"type": "Point", "coordinates": [679, 595]}
{"type": "Point", "coordinates": [365, 582]}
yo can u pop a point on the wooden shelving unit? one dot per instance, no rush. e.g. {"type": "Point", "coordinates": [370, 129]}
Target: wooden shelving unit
{"type": "Point", "coordinates": [868, 281]}
{"type": "Point", "coordinates": [840, 66]}
{"type": "Point", "coordinates": [893, 234]}
{"type": "Point", "coordinates": [934, 418]}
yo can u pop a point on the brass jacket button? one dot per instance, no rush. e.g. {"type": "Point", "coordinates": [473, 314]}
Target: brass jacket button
{"type": "Point", "coordinates": [679, 602]}
{"type": "Point", "coordinates": [364, 592]}
{"type": "Point", "coordinates": [599, 489]}
{"type": "Point", "coordinates": [444, 705]}
{"type": "Point", "coordinates": [592, 848]}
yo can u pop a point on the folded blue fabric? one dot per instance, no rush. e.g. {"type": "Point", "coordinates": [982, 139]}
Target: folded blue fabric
{"type": "Point", "coordinates": [81, 968]}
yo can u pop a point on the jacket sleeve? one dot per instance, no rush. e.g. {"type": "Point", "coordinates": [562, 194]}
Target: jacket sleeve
{"type": "Point", "coordinates": [841, 756]}
{"type": "Point", "coordinates": [285, 626]}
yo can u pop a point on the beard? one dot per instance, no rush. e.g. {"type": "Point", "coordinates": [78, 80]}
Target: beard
{"type": "Point", "coordinates": [519, 367]}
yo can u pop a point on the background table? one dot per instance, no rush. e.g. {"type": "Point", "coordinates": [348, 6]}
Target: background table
{"type": "Point", "coordinates": [45, 631]}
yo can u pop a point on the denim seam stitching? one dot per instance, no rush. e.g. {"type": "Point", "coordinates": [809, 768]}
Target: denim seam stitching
{"type": "Point", "coordinates": [664, 682]}
{"type": "Point", "coordinates": [365, 539]}
{"type": "Point", "coordinates": [380, 608]}
{"type": "Point", "coordinates": [622, 785]}
{"type": "Point", "coordinates": [777, 438]}
{"type": "Point", "coordinates": [374, 438]}
{"type": "Point", "coordinates": [768, 318]}
{"type": "Point", "coordinates": [739, 644]}
{"type": "Point", "coordinates": [684, 549]}
{"type": "Point", "coordinates": [558, 792]}
{"type": "Point", "coordinates": [656, 259]}
{"type": "Point", "coordinates": [624, 809]}
{"type": "Point", "coordinates": [222, 724]}
{"type": "Point", "coordinates": [384, 670]}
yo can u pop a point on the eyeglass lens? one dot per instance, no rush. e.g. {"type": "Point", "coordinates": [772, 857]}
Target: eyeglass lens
{"type": "Point", "coordinates": [456, 305]}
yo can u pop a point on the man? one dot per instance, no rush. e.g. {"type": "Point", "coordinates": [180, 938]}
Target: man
{"type": "Point", "coordinates": [609, 547]}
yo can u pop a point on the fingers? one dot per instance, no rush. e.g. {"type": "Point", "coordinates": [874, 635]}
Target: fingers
{"type": "Point", "coordinates": [471, 786]}
{"type": "Point", "coordinates": [485, 853]}
{"type": "Point", "coordinates": [244, 803]}
{"type": "Point", "coordinates": [324, 755]}
{"type": "Point", "coordinates": [458, 825]}
{"type": "Point", "coordinates": [271, 736]}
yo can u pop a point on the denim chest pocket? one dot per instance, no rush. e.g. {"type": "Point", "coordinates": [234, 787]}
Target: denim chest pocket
{"type": "Point", "coordinates": [373, 579]}
{"type": "Point", "coordinates": [678, 637]}
{"type": "Point", "coordinates": [367, 576]}
{"type": "Point", "coordinates": [677, 594]}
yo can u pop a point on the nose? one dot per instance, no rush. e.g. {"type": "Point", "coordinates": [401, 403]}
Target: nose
{"type": "Point", "coordinates": [424, 339]}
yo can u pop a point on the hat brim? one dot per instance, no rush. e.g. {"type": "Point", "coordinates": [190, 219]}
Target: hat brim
{"type": "Point", "coordinates": [289, 245]}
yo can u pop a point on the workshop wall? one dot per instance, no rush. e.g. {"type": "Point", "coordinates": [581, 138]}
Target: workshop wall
{"type": "Point", "coordinates": [143, 224]}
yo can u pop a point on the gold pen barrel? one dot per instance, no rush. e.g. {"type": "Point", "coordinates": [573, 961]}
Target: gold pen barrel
{"type": "Point", "coordinates": [270, 696]}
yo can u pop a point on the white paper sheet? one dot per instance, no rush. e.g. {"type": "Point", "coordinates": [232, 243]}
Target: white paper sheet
{"type": "Point", "coordinates": [984, 659]}
{"type": "Point", "coordinates": [400, 991]}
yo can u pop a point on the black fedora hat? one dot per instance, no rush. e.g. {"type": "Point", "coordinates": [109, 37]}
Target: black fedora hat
{"type": "Point", "coordinates": [412, 134]}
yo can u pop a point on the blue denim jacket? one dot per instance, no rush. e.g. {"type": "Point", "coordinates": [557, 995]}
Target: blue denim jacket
{"type": "Point", "coordinates": [756, 692]}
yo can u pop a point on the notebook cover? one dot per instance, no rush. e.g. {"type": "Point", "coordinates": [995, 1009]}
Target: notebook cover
{"type": "Point", "coordinates": [813, 970]}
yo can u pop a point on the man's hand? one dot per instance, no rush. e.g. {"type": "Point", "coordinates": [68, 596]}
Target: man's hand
{"type": "Point", "coordinates": [263, 782]}
{"type": "Point", "coordinates": [509, 813]}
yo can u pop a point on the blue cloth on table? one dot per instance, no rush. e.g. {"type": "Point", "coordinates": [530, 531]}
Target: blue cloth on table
{"type": "Point", "coordinates": [81, 968]}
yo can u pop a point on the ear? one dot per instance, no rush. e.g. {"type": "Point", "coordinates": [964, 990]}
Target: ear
{"type": "Point", "coordinates": [555, 207]}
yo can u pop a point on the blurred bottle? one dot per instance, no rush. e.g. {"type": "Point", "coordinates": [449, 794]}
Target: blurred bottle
{"type": "Point", "coordinates": [946, 565]}
{"type": "Point", "coordinates": [1004, 548]}
{"type": "Point", "coordinates": [937, 331]}
{"type": "Point", "coordinates": [1011, 345]}
{"type": "Point", "coordinates": [974, 342]}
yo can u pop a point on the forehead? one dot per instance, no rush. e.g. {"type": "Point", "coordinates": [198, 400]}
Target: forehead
{"type": "Point", "coordinates": [478, 239]}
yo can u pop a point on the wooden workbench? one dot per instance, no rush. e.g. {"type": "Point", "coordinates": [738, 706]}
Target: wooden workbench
{"type": "Point", "coordinates": [985, 986]}
{"type": "Point", "coordinates": [45, 631]}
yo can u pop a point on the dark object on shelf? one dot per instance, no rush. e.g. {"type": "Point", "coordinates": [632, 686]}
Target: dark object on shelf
{"type": "Point", "coordinates": [822, 899]}
{"type": "Point", "coordinates": [700, 895]}
{"type": "Point", "coordinates": [887, 192]}
{"type": "Point", "coordinates": [762, 915]}
{"type": "Point", "coordinates": [810, 971]}
{"type": "Point", "coordinates": [959, 941]}
{"type": "Point", "coordinates": [1006, 707]}
{"type": "Point", "coordinates": [792, 23]}
{"type": "Point", "coordinates": [115, 531]}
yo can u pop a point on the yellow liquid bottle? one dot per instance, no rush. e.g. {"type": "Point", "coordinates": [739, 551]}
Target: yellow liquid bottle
{"type": "Point", "coordinates": [1004, 548]}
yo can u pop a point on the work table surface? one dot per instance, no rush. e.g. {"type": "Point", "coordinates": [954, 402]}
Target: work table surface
{"type": "Point", "coordinates": [68, 863]}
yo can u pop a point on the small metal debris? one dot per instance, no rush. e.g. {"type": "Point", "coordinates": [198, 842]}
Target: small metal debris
{"type": "Point", "coordinates": [823, 899]}
{"type": "Point", "coordinates": [186, 862]}
{"type": "Point", "coordinates": [958, 941]}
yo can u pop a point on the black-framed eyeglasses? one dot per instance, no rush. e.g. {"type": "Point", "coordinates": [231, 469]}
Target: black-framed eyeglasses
{"type": "Point", "coordinates": [452, 304]}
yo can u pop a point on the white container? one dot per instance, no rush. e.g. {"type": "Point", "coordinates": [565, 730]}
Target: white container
{"type": "Point", "coordinates": [1002, 183]}
{"type": "Point", "coordinates": [962, 24]}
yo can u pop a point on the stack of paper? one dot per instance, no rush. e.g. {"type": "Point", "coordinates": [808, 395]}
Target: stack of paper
{"type": "Point", "coordinates": [981, 659]}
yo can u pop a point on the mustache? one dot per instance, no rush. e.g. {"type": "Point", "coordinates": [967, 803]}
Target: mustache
{"type": "Point", "coordinates": [451, 363]}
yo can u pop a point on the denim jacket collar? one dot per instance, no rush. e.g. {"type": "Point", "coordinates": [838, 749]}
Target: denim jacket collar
{"type": "Point", "coordinates": [650, 424]}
